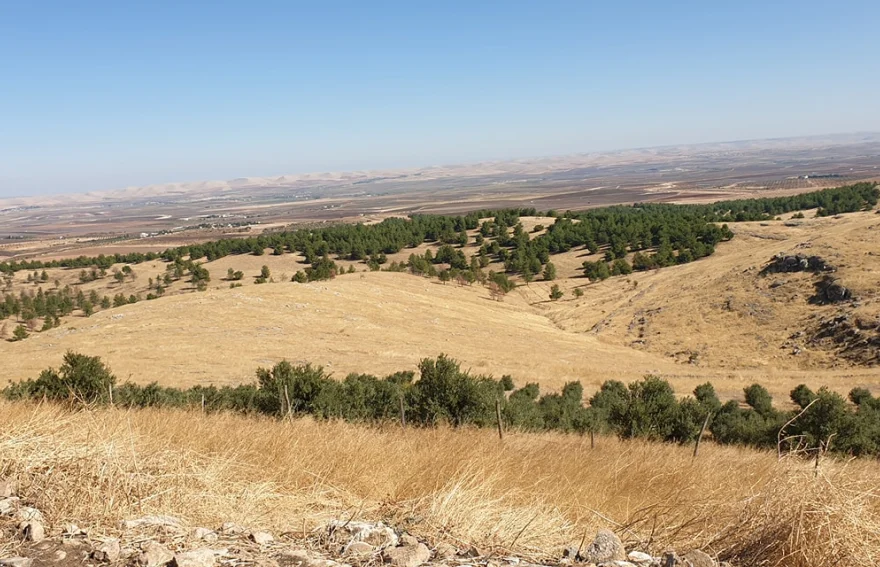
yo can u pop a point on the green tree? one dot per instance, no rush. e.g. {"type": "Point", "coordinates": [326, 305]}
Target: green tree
{"type": "Point", "coordinates": [81, 379]}
{"type": "Point", "coordinates": [555, 292]}
{"type": "Point", "coordinates": [549, 272]}
{"type": "Point", "coordinates": [19, 333]}
{"type": "Point", "coordinates": [300, 277]}
{"type": "Point", "coordinates": [596, 271]}
{"type": "Point", "coordinates": [759, 399]}
{"type": "Point", "coordinates": [620, 267]}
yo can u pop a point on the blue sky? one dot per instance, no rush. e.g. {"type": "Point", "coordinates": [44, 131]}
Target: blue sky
{"type": "Point", "coordinates": [101, 95]}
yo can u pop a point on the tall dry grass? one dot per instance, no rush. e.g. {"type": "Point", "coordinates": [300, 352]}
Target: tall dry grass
{"type": "Point", "coordinates": [530, 494]}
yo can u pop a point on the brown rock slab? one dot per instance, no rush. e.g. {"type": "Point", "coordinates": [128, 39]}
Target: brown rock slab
{"type": "Point", "coordinates": [108, 551]}
{"type": "Point", "coordinates": [408, 556]}
{"type": "Point", "coordinates": [154, 555]}
{"type": "Point", "coordinates": [445, 551]}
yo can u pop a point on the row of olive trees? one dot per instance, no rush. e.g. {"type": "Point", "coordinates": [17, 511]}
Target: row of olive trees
{"type": "Point", "coordinates": [445, 394]}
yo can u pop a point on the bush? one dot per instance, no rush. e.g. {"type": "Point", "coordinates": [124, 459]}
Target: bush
{"type": "Point", "coordinates": [444, 393]}
{"type": "Point", "coordinates": [81, 379]}
{"type": "Point", "coordinates": [649, 412]}
{"type": "Point", "coordinates": [596, 271]}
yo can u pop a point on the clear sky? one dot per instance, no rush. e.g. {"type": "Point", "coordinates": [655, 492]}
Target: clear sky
{"type": "Point", "coordinates": [101, 95]}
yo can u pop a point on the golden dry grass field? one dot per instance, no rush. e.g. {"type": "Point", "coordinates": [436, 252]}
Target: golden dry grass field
{"type": "Point", "coordinates": [716, 319]}
{"type": "Point", "coordinates": [530, 494]}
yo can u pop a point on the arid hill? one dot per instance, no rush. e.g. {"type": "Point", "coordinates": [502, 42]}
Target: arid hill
{"type": "Point", "coordinates": [718, 319]}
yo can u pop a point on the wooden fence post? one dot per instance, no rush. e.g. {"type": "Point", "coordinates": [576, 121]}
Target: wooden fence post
{"type": "Point", "coordinates": [287, 400]}
{"type": "Point", "coordinates": [700, 436]}
{"type": "Point", "coordinates": [402, 411]}
{"type": "Point", "coordinates": [498, 416]}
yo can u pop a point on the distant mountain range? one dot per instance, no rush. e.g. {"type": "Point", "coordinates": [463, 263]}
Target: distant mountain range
{"type": "Point", "coordinates": [491, 172]}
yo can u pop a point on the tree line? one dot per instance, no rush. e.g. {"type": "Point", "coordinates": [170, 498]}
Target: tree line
{"type": "Point", "coordinates": [445, 394]}
{"type": "Point", "coordinates": [676, 233]}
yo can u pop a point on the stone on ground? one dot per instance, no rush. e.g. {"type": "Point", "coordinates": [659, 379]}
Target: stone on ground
{"type": "Point", "coordinates": [28, 514]}
{"type": "Point", "coordinates": [605, 548]}
{"type": "Point", "coordinates": [445, 551]}
{"type": "Point", "coordinates": [204, 534]}
{"type": "Point", "coordinates": [154, 555]}
{"type": "Point", "coordinates": [358, 549]}
{"type": "Point", "coordinates": [640, 558]}
{"type": "Point", "coordinates": [408, 556]}
{"type": "Point", "coordinates": [697, 558]}
{"type": "Point", "coordinates": [108, 551]}
{"type": "Point", "coordinates": [261, 538]}
{"type": "Point", "coordinates": [151, 522]}
{"type": "Point", "coordinates": [33, 531]}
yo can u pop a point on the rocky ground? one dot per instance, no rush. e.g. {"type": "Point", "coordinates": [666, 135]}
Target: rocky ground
{"type": "Point", "coordinates": [157, 541]}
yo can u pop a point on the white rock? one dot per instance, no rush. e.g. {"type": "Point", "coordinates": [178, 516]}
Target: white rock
{"type": "Point", "coordinates": [640, 558]}
{"type": "Point", "coordinates": [16, 562]}
{"type": "Point", "coordinates": [33, 531]}
{"type": "Point", "coordinates": [8, 505]}
{"type": "Point", "coordinates": [28, 514]}
{"type": "Point", "coordinates": [261, 538]}
{"type": "Point", "coordinates": [376, 534]}
{"type": "Point", "coordinates": [204, 534]}
{"type": "Point", "coordinates": [151, 522]}
{"type": "Point", "coordinates": [72, 530]}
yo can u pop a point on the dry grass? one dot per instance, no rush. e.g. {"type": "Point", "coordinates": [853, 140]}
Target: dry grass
{"type": "Point", "coordinates": [736, 325]}
{"type": "Point", "coordinates": [531, 494]}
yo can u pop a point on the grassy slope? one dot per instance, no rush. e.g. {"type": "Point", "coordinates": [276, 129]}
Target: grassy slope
{"type": "Point", "coordinates": [719, 309]}
{"type": "Point", "coordinates": [529, 494]}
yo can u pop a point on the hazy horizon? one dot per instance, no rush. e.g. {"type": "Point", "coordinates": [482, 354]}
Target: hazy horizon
{"type": "Point", "coordinates": [462, 164]}
{"type": "Point", "coordinates": [106, 96]}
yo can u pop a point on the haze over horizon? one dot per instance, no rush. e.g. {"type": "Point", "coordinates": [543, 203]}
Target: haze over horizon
{"type": "Point", "coordinates": [103, 96]}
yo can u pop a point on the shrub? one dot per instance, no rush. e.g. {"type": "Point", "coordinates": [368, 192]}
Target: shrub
{"type": "Point", "coordinates": [80, 379]}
